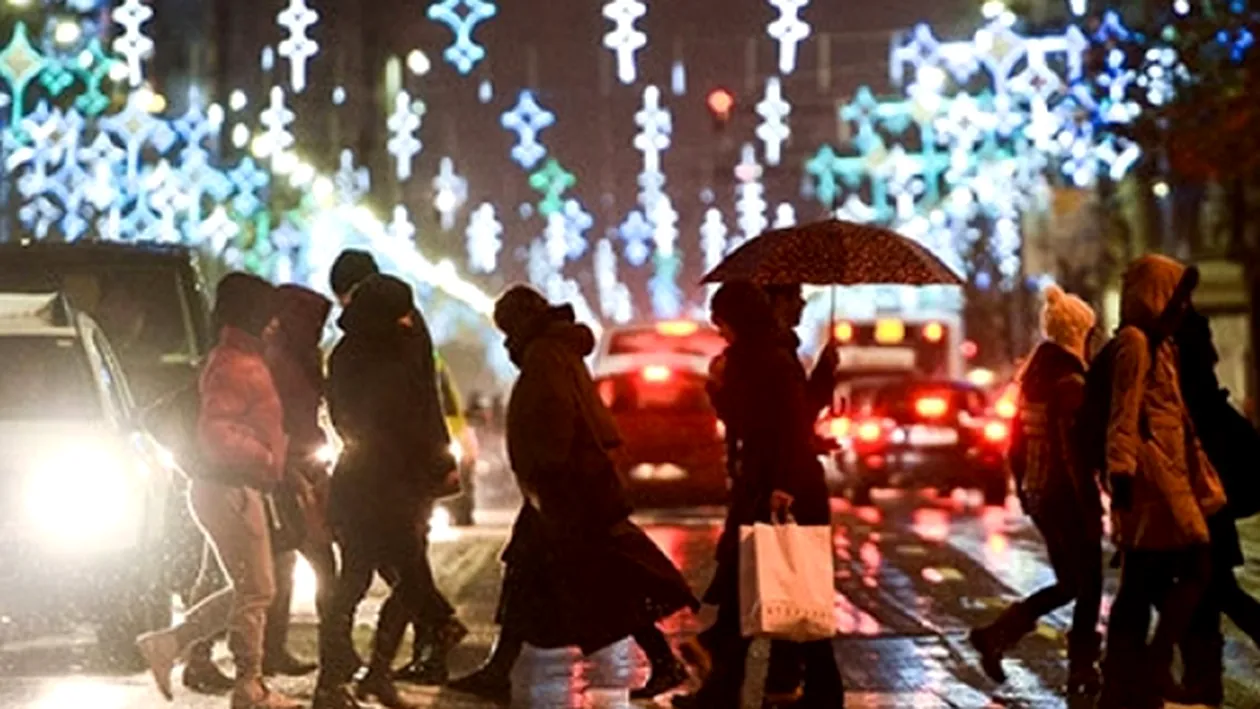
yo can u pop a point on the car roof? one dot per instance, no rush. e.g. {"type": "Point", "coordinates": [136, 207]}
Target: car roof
{"type": "Point", "coordinates": [96, 252]}
{"type": "Point", "coordinates": [34, 314]}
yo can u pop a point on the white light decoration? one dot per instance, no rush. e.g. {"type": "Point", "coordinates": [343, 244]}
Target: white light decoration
{"type": "Point", "coordinates": [401, 227]}
{"type": "Point", "coordinates": [451, 192]}
{"type": "Point", "coordinates": [555, 240]}
{"type": "Point", "coordinates": [656, 125]}
{"type": "Point", "coordinates": [625, 39]}
{"type": "Point", "coordinates": [133, 45]}
{"type": "Point", "coordinates": [750, 203]}
{"type": "Point", "coordinates": [678, 78]}
{"type": "Point", "coordinates": [713, 239]}
{"type": "Point", "coordinates": [298, 48]}
{"type": "Point", "coordinates": [614, 296]}
{"type": "Point", "coordinates": [276, 118]}
{"type": "Point", "coordinates": [403, 144]}
{"type": "Point", "coordinates": [1080, 7]}
{"type": "Point", "coordinates": [484, 239]}
{"type": "Point", "coordinates": [352, 182]}
{"type": "Point", "coordinates": [464, 52]}
{"type": "Point", "coordinates": [576, 223]}
{"type": "Point", "coordinates": [789, 30]}
{"type": "Point", "coordinates": [664, 227]}
{"type": "Point", "coordinates": [784, 216]}
{"type": "Point", "coordinates": [527, 119]}
{"type": "Point", "coordinates": [636, 231]}
{"type": "Point", "coordinates": [774, 130]}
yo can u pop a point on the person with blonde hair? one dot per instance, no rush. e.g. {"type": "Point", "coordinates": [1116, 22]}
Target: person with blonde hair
{"type": "Point", "coordinates": [1062, 499]}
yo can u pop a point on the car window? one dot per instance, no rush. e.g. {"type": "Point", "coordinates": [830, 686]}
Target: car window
{"type": "Point", "coordinates": [46, 378]}
{"type": "Point", "coordinates": [111, 377]}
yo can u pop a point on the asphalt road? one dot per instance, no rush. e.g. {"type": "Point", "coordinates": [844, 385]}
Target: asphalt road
{"type": "Point", "coordinates": [914, 574]}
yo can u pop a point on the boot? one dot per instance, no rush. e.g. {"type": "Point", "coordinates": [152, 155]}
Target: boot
{"type": "Point", "coordinates": [493, 680]}
{"type": "Point", "coordinates": [377, 684]}
{"type": "Point", "coordinates": [160, 650]}
{"type": "Point", "coordinates": [993, 641]}
{"type": "Point", "coordinates": [429, 652]}
{"type": "Point", "coordinates": [256, 695]}
{"type": "Point", "coordinates": [1084, 679]}
{"type": "Point", "coordinates": [202, 675]}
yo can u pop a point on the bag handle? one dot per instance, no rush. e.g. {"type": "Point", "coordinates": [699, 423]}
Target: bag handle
{"type": "Point", "coordinates": [783, 517]}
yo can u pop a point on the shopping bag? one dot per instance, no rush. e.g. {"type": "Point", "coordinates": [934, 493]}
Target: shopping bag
{"type": "Point", "coordinates": [787, 582]}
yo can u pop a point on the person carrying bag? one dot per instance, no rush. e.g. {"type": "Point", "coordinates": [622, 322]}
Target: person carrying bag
{"type": "Point", "coordinates": [786, 587]}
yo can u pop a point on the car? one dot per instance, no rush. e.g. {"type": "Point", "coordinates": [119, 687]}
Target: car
{"type": "Point", "coordinates": [86, 490]}
{"type": "Point", "coordinates": [653, 379]}
{"type": "Point", "coordinates": [906, 432]}
{"type": "Point", "coordinates": [464, 447]}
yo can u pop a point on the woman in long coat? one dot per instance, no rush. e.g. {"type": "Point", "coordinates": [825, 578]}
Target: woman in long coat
{"type": "Point", "coordinates": [579, 573]}
{"type": "Point", "coordinates": [762, 398]}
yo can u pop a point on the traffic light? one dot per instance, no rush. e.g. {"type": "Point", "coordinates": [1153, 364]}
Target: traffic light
{"type": "Point", "coordinates": [721, 104]}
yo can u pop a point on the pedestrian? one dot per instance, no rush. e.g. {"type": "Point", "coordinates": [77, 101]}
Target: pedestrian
{"type": "Point", "coordinates": [1162, 491]}
{"type": "Point", "coordinates": [763, 401]}
{"type": "Point", "coordinates": [1232, 445]}
{"type": "Point", "coordinates": [349, 270]}
{"type": "Point", "coordinates": [578, 571]}
{"type": "Point", "coordinates": [1061, 497]}
{"type": "Point", "coordinates": [297, 367]}
{"type": "Point", "coordinates": [396, 461]}
{"type": "Point", "coordinates": [241, 431]}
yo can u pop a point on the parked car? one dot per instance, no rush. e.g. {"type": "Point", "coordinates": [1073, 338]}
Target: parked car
{"type": "Point", "coordinates": [652, 377]}
{"type": "Point", "coordinates": [914, 432]}
{"type": "Point", "coordinates": [85, 490]}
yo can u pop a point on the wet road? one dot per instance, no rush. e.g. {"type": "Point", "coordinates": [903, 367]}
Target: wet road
{"type": "Point", "coordinates": [914, 574]}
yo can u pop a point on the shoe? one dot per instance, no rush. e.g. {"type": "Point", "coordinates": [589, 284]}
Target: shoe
{"type": "Point", "coordinates": [983, 640]}
{"type": "Point", "coordinates": [486, 683]}
{"type": "Point", "coordinates": [160, 650]}
{"type": "Point", "coordinates": [256, 695]}
{"type": "Point", "coordinates": [203, 676]}
{"type": "Point", "coordinates": [664, 678]}
{"type": "Point", "coordinates": [792, 698]}
{"type": "Point", "coordinates": [1194, 696]}
{"type": "Point", "coordinates": [338, 698]}
{"type": "Point", "coordinates": [286, 665]}
{"type": "Point", "coordinates": [382, 688]}
{"type": "Point", "coordinates": [426, 674]}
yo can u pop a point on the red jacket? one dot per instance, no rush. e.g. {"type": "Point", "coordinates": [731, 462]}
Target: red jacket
{"type": "Point", "coordinates": [241, 426]}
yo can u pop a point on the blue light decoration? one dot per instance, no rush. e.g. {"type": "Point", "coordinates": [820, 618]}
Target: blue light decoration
{"type": "Point", "coordinates": [636, 231]}
{"type": "Point", "coordinates": [464, 53]}
{"type": "Point", "coordinates": [527, 119]}
{"type": "Point", "coordinates": [20, 64]}
{"type": "Point", "coordinates": [576, 223]}
{"type": "Point", "coordinates": [484, 239]}
{"type": "Point", "coordinates": [552, 181]}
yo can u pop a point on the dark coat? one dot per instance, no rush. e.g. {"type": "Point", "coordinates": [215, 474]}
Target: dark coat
{"type": "Point", "coordinates": [383, 399]}
{"type": "Point", "coordinates": [578, 571]}
{"type": "Point", "coordinates": [297, 366]}
{"type": "Point", "coordinates": [1043, 454]}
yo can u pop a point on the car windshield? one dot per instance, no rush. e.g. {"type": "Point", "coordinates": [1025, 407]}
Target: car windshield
{"type": "Point", "coordinates": [46, 378]}
{"type": "Point", "coordinates": [698, 342]}
{"type": "Point", "coordinates": [141, 310]}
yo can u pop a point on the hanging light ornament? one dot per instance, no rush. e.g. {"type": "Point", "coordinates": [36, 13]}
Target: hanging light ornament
{"type": "Point", "coordinates": [789, 30]}
{"type": "Point", "coordinates": [464, 52]}
{"type": "Point", "coordinates": [625, 39]}
{"type": "Point", "coordinates": [298, 48]}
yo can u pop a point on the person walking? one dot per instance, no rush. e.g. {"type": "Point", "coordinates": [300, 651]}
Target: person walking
{"type": "Point", "coordinates": [1163, 490]}
{"type": "Point", "coordinates": [241, 431]}
{"type": "Point", "coordinates": [763, 400]}
{"type": "Point", "coordinates": [1232, 445]}
{"type": "Point", "coordinates": [578, 571]}
{"type": "Point", "coordinates": [396, 460]}
{"type": "Point", "coordinates": [297, 367]}
{"type": "Point", "coordinates": [1062, 499]}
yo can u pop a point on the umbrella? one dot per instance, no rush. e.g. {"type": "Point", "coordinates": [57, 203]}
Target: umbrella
{"type": "Point", "coordinates": [834, 253]}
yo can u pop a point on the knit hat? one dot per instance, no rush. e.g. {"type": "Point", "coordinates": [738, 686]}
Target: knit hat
{"type": "Point", "coordinates": [1066, 319]}
{"type": "Point", "coordinates": [350, 269]}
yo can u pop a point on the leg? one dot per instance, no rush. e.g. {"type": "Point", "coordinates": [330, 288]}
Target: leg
{"type": "Point", "coordinates": [1084, 641]}
{"type": "Point", "coordinates": [823, 685]}
{"type": "Point", "coordinates": [1240, 606]}
{"type": "Point", "coordinates": [1193, 568]}
{"type": "Point", "coordinates": [337, 657]}
{"type": "Point", "coordinates": [1201, 649]}
{"type": "Point", "coordinates": [783, 677]}
{"type": "Point", "coordinates": [1124, 664]}
{"type": "Point", "coordinates": [277, 637]}
{"type": "Point", "coordinates": [323, 561]}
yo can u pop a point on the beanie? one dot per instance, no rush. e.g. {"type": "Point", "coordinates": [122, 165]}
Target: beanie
{"type": "Point", "coordinates": [350, 269]}
{"type": "Point", "coordinates": [1066, 319]}
{"type": "Point", "coordinates": [244, 301]}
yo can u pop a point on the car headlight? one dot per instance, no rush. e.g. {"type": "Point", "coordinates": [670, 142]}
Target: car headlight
{"type": "Point", "coordinates": [457, 451]}
{"type": "Point", "coordinates": [86, 497]}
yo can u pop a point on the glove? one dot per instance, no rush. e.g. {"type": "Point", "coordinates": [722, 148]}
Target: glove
{"type": "Point", "coordinates": [1121, 492]}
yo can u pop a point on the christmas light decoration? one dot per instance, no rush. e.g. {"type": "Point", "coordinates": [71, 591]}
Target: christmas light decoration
{"type": "Point", "coordinates": [625, 39]}
{"type": "Point", "coordinates": [655, 128]}
{"type": "Point", "coordinates": [713, 239]}
{"type": "Point", "coordinates": [298, 48]}
{"type": "Point", "coordinates": [527, 119]}
{"type": "Point", "coordinates": [750, 203]}
{"type": "Point", "coordinates": [555, 240]}
{"type": "Point", "coordinates": [484, 239]}
{"type": "Point", "coordinates": [636, 231]}
{"type": "Point", "coordinates": [773, 130]}
{"type": "Point", "coordinates": [464, 53]}
{"type": "Point", "coordinates": [614, 296]}
{"type": "Point", "coordinates": [276, 119]}
{"type": "Point", "coordinates": [552, 181]}
{"type": "Point", "coordinates": [403, 124]}
{"type": "Point", "coordinates": [351, 182]}
{"type": "Point", "coordinates": [451, 191]}
{"type": "Point", "coordinates": [576, 223]}
{"type": "Point", "coordinates": [401, 227]}
{"type": "Point", "coordinates": [784, 216]}
{"type": "Point", "coordinates": [20, 63]}
{"type": "Point", "coordinates": [133, 45]}
{"type": "Point", "coordinates": [789, 30]}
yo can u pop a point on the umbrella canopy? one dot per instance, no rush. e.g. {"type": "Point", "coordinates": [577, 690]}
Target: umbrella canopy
{"type": "Point", "coordinates": [834, 253]}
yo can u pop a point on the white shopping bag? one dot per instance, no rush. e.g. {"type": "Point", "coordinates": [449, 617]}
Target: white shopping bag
{"type": "Point", "coordinates": [787, 582]}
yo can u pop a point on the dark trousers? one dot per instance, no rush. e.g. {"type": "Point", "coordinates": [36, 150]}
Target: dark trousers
{"type": "Point", "coordinates": [388, 546]}
{"type": "Point", "coordinates": [323, 562]}
{"type": "Point", "coordinates": [1076, 556]}
{"type": "Point", "coordinates": [1203, 643]}
{"type": "Point", "coordinates": [1136, 673]}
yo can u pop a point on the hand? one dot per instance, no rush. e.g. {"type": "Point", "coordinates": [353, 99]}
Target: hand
{"type": "Point", "coordinates": [780, 505]}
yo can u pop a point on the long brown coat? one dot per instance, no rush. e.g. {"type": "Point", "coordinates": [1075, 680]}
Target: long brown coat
{"type": "Point", "coordinates": [1149, 435]}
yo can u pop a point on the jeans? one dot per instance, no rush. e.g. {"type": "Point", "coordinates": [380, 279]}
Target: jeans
{"type": "Point", "coordinates": [235, 520]}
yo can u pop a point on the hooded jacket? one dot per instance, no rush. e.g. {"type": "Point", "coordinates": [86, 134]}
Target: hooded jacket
{"type": "Point", "coordinates": [383, 399]}
{"type": "Point", "coordinates": [241, 422]}
{"type": "Point", "coordinates": [1149, 435]}
{"type": "Point", "coordinates": [297, 367]}
{"type": "Point", "coordinates": [559, 431]}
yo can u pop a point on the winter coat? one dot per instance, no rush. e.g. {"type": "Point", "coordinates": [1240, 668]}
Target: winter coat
{"type": "Point", "coordinates": [297, 367]}
{"type": "Point", "coordinates": [1043, 455]}
{"type": "Point", "coordinates": [1149, 436]}
{"type": "Point", "coordinates": [383, 400]}
{"type": "Point", "coordinates": [241, 422]}
{"type": "Point", "coordinates": [560, 432]}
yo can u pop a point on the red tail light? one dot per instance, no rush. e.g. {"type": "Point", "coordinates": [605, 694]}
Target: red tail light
{"type": "Point", "coordinates": [870, 432]}
{"type": "Point", "coordinates": [997, 432]}
{"type": "Point", "coordinates": [657, 373]}
{"type": "Point", "coordinates": [835, 428]}
{"type": "Point", "coordinates": [931, 407]}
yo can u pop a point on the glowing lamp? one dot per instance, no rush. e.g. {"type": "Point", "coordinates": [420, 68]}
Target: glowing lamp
{"type": "Point", "coordinates": [844, 332]}
{"type": "Point", "coordinates": [890, 332]}
{"type": "Point", "coordinates": [934, 332]}
{"type": "Point", "coordinates": [656, 373]}
{"type": "Point", "coordinates": [677, 328]}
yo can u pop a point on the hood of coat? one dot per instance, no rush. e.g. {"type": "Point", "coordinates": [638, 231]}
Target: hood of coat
{"type": "Point", "coordinates": [301, 314]}
{"type": "Point", "coordinates": [1049, 363]}
{"type": "Point", "coordinates": [376, 308]}
{"type": "Point", "coordinates": [558, 325]}
{"type": "Point", "coordinates": [1149, 285]}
